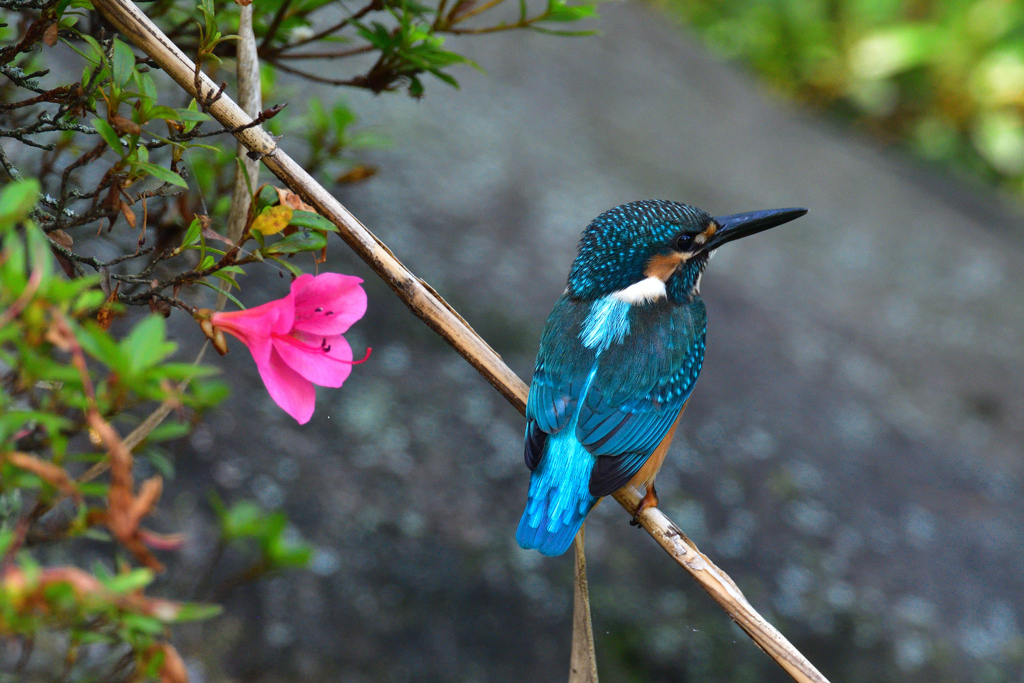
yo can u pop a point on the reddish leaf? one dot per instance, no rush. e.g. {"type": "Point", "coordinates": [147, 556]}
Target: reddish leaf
{"type": "Point", "coordinates": [52, 474]}
{"type": "Point", "coordinates": [292, 200]}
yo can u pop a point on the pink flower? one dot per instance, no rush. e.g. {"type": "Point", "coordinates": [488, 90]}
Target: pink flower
{"type": "Point", "coordinates": [296, 341]}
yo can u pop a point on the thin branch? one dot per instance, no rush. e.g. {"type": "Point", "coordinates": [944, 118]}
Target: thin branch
{"type": "Point", "coordinates": [374, 5]}
{"type": "Point", "coordinates": [12, 171]}
{"type": "Point", "coordinates": [440, 317]}
{"type": "Point", "coordinates": [475, 11]}
{"type": "Point", "coordinates": [354, 82]}
{"type": "Point", "coordinates": [271, 32]}
{"type": "Point", "coordinates": [363, 49]}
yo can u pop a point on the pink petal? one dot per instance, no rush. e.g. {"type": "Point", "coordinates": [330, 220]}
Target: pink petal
{"type": "Point", "coordinates": [260, 348]}
{"type": "Point", "coordinates": [327, 304]}
{"type": "Point", "coordinates": [326, 361]}
{"type": "Point", "coordinates": [289, 389]}
{"type": "Point", "coordinates": [253, 323]}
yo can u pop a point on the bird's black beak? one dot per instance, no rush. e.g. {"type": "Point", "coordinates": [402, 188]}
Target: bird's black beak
{"type": "Point", "coordinates": [743, 224]}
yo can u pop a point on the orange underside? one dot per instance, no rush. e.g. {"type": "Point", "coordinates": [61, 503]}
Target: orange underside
{"type": "Point", "coordinates": [645, 477]}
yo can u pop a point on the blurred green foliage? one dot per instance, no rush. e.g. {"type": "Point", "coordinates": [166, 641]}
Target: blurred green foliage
{"type": "Point", "coordinates": [945, 78]}
{"type": "Point", "coordinates": [58, 366]}
{"type": "Point", "coordinates": [277, 548]}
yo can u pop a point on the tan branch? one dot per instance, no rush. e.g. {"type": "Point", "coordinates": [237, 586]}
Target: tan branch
{"type": "Point", "coordinates": [439, 316]}
{"type": "Point", "coordinates": [582, 658]}
{"type": "Point", "coordinates": [251, 100]}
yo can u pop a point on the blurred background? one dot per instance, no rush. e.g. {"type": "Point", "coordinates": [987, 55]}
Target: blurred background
{"type": "Point", "coordinates": [850, 456]}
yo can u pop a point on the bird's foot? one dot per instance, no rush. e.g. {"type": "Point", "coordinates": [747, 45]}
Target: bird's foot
{"type": "Point", "coordinates": [650, 500]}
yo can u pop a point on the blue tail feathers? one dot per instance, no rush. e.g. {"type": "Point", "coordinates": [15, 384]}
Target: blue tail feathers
{"type": "Point", "coordinates": [559, 497]}
{"type": "Point", "coordinates": [551, 536]}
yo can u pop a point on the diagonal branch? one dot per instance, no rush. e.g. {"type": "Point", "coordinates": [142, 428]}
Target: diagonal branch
{"type": "Point", "coordinates": [443, 319]}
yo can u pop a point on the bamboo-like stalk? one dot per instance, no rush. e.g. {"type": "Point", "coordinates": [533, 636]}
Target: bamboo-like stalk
{"type": "Point", "coordinates": [250, 98]}
{"type": "Point", "coordinates": [426, 304]}
{"type": "Point", "coordinates": [582, 657]}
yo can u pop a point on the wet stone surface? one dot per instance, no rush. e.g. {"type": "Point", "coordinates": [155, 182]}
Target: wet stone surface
{"type": "Point", "coordinates": [851, 454]}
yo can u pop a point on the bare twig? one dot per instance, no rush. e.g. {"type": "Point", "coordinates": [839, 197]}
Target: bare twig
{"type": "Point", "coordinates": [362, 49]}
{"type": "Point", "coordinates": [333, 28]}
{"type": "Point", "coordinates": [267, 39]}
{"type": "Point", "coordinates": [440, 317]}
{"type": "Point", "coordinates": [251, 100]}
{"type": "Point", "coordinates": [582, 660]}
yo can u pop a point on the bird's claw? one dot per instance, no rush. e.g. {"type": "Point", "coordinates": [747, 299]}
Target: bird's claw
{"type": "Point", "coordinates": [650, 500]}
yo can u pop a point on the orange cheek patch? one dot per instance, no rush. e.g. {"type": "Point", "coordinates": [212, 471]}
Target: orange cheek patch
{"type": "Point", "coordinates": [708, 233]}
{"type": "Point", "coordinates": [662, 266]}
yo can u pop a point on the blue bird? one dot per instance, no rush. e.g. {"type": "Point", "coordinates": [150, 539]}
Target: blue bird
{"type": "Point", "coordinates": [618, 358]}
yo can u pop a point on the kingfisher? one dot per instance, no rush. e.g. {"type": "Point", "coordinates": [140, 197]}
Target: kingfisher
{"type": "Point", "coordinates": [618, 358]}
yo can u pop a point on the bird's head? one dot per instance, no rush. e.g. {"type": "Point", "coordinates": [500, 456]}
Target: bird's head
{"type": "Point", "coordinates": [651, 249]}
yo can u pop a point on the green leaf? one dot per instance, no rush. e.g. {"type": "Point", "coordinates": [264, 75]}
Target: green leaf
{"type": "Point", "coordinates": [191, 111]}
{"type": "Point", "coordinates": [207, 393]}
{"type": "Point", "coordinates": [95, 489]}
{"type": "Point", "coordinates": [124, 63]}
{"type": "Point", "coordinates": [133, 580]}
{"type": "Point", "coordinates": [267, 197]}
{"type": "Point", "coordinates": [570, 34]}
{"type": "Point", "coordinates": [98, 55]}
{"type": "Point", "coordinates": [88, 300]}
{"type": "Point", "coordinates": [192, 116]}
{"type": "Point", "coordinates": [39, 253]}
{"type": "Point", "coordinates": [226, 277]}
{"type": "Point", "coordinates": [182, 371]}
{"type": "Point", "coordinates": [109, 135]}
{"type": "Point", "coordinates": [16, 201]}
{"type": "Point", "coordinates": [6, 536]}
{"type": "Point", "coordinates": [313, 221]}
{"type": "Point", "coordinates": [558, 10]}
{"type": "Point", "coordinates": [160, 462]}
{"type": "Point", "coordinates": [161, 173]}
{"type": "Point", "coordinates": [168, 431]}
{"type": "Point", "coordinates": [240, 164]}
{"type": "Point", "coordinates": [192, 234]}
{"type": "Point", "coordinates": [292, 268]}
{"type": "Point", "coordinates": [342, 117]}
{"type": "Point", "coordinates": [287, 553]}
{"type": "Point", "coordinates": [148, 625]}
{"type": "Point", "coordinates": [194, 611]}
{"type": "Point", "coordinates": [101, 346]}
{"type": "Point", "coordinates": [892, 50]}
{"type": "Point", "coordinates": [163, 112]}
{"type": "Point", "coordinates": [145, 345]}
{"type": "Point", "coordinates": [415, 87]}
{"type": "Point", "coordinates": [148, 88]}
{"type": "Point", "coordinates": [306, 240]}
{"type": "Point", "coordinates": [226, 293]}
{"type": "Point", "coordinates": [244, 518]}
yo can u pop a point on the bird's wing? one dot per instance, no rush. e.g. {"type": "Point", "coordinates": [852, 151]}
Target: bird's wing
{"type": "Point", "coordinates": [563, 366]}
{"type": "Point", "coordinates": [639, 388]}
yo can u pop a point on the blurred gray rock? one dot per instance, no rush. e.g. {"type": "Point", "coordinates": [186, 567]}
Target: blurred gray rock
{"type": "Point", "coordinates": [851, 454]}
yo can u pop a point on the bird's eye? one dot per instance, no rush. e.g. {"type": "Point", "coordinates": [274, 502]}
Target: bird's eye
{"type": "Point", "coordinates": [684, 243]}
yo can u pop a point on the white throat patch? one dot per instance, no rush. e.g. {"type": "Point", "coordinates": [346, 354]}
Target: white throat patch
{"type": "Point", "coordinates": [648, 289]}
